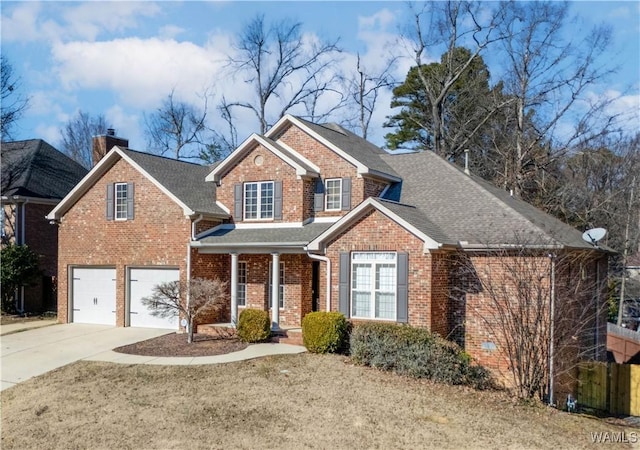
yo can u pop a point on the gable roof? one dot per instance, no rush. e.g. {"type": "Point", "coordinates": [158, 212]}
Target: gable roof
{"type": "Point", "coordinates": [407, 216]}
{"type": "Point", "coordinates": [181, 181]}
{"type": "Point", "coordinates": [471, 211]}
{"type": "Point", "coordinates": [361, 153]}
{"type": "Point", "coordinates": [302, 166]}
{"type": "Point", "coordinates": [33, 168]}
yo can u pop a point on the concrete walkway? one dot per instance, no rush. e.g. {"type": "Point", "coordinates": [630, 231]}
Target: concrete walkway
{"type": "Point", "coordinates": [38, 350]}
{"type": "Point", "coordinates": [251, 352]}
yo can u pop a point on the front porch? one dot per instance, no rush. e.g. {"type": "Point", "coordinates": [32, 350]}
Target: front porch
{"type": "Point", "coordinates": [284, 334]}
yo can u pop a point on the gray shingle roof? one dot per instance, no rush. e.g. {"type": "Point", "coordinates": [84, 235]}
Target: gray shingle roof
{"type": "Point", "coordinates": [33, 168]}
{"type": "Point", "coordinates": [468, 209]}
{"type": "Point", "coordinates": [360, 149]}
{"type": "Point", "coordinates": [299, 236]}
{"type": "Point", "coordinates": [183, 179]}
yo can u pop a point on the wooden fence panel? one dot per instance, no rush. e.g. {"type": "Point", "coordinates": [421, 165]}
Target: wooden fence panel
{"type": "Point", "coordinates": [610, 387]}
{"type": "Point", "coordinates": [592, 385]}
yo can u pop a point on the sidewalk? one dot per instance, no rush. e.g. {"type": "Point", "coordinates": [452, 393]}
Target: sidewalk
{"type": "Point", "coordinates": [23, 326]}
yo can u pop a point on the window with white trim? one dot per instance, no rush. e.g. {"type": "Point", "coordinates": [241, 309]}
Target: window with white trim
{"type": "Point", "coordinates": [373, 285]}
{"type": "Point", "coordinates": [333, 196]}
{"type": "Point", "coordinates": [120, 206]}
{"type": "Point", "coordinates": [281, 287]}
{"type": "Point", "coordinates": [258, 200]}
{"type": "Point", "coordinates": [242, 283]}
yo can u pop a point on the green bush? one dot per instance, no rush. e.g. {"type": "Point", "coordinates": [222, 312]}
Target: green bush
{"type": "Point", "coordinates": [324, 332]}
{"type": "Point", "coordinates": [414, 352]}
{"type": "Point", "coordinates": [254, 325]}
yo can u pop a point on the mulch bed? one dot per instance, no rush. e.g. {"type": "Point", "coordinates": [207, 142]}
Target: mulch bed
{"type": "Point", "coordinates": [175, 344]}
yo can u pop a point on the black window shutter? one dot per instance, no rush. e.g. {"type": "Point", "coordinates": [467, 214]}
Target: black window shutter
{"type": "Point", "coordinates": [403, 288]}
{"type": "Point", "coordinates": [277, 200]}
{"type": "Point", "coordinates": [110, 201]}
{"type": "Point", "coordinates": [130, 214]}
{"type": "Point", "coordinates": [343, 284]}
{"type": "Point", "coordinates": [346, 194]}
{"type": "Point", "coordinates": [237, 202]}
{"type": "Point", "coordinates": [318, 198]}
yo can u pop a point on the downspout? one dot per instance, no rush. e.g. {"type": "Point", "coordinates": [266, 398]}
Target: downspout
{"type": "Point", "coordinates": [23, 238]}
{"type": "Point", "coordinates": [328, 261]}
{"type": "Point", "coordinates": [188, 277]}
{"type": "Point", "coordinates": [552, 296]}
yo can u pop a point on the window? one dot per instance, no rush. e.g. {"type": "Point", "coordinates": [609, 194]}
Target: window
{"type": "Point", "coordinates": [373, 285]}
{"type": "Point", "coordinates": [281, 289]}
{"type": "Point", "coordinates": [333, 195]}
{"type": "Point", "coordinates": [242, 283]}
{"type": "Point", "coordinates": [258, 200]}
{"type": "Point", "coordinates": [121, 201]}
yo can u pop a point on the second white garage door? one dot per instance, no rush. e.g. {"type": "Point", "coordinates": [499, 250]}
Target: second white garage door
{"type": "Point", "coordinates": [141, 284]}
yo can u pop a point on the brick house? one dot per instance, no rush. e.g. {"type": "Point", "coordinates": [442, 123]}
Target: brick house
{"type": "Point", "coordinates": [35, 177]}
{"type": "Point", "coordinates": [320, 219]}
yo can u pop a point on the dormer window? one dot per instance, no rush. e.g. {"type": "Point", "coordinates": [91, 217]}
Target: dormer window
{"type": "Point", "coordinates": [333, 197]}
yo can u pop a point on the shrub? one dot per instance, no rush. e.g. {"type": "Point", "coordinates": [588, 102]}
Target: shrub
{"type": "Point", "coordinates": [324, 332]}
{"type": "Point", "coordinates": [415, 352]}
{"type": "Point", "coordinates": [254, 325]}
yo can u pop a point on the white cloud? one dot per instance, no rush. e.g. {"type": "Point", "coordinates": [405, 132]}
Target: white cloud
{"type": "Point", "coordinates": [170, 32]}
{"type": "Point", "coordinates": [29, 21]}
{"type": "Point", "coordinates": [139, 71]}
{"type": "Point", "coordinates": [380, 20]}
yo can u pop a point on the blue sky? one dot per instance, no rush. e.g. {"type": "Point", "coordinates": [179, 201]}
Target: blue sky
{"type": "Point", "coordinates": [121, 59]}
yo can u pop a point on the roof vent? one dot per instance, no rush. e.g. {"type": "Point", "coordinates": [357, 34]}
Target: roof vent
{"type": "Point", "coordinates": [111, 132]}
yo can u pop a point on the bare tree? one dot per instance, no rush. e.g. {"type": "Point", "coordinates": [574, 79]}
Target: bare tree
{"type": "Point", "coordinates": [548, 76]}
{"type": "Point", "coordinates": [12, 103]}
{"type": "Point", "coordinates": [77, 136]}
{"type": "Point", "coordinates": [177, 125]}
{"type": "Point", "coordinates": [201, 298]}
{"type": "Point", "coordinates": [454, 25]}
{"type": "Point", "coordinates": [364, 87]}
{"type": "Point", "coordinates": [544, 311]}
{"type": "Point", "coordinates": [284, 69]}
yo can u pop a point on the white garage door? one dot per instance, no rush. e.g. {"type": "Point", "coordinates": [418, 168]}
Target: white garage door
{"type": "Point", "coordinates": [94, 295]}
{"type": "Point", "coordinates": [141, 282]}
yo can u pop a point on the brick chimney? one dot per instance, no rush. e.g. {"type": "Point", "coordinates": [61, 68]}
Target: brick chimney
{"type": "Point", "coordinates": [105, 142]}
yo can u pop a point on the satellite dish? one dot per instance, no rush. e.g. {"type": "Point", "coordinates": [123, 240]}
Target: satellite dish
{"type": "Point", "coordinates": [593, 235]}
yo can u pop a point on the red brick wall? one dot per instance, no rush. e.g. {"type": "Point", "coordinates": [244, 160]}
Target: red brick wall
{"type": "Point", "coordinates": [331, 166]}
{"type": "Point", "coordinates": [272, 169]}
{"type": "Point", "coordinates": [376, 232]}
{"type": "Point", "coordinates": [158, 235]}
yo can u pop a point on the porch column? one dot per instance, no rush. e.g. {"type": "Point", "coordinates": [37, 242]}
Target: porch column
{"type": "Point", "coordinates": [275, 291]}
{"type": "Point", "coordinates": [234, 289]}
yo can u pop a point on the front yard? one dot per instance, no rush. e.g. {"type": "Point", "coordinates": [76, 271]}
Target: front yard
{"type": "Point", "coordinates": [302, 401]}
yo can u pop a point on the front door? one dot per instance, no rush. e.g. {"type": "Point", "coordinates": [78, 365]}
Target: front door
{"type": "Point", "coordinates": [315, 285]}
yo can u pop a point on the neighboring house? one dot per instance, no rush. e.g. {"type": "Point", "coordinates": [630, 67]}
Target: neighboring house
{"type": "Point", "coordinates": [317, 218]}
{"type": "Point", "coordinates": [35, 177]}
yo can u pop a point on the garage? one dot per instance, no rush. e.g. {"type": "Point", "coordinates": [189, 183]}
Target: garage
{"type": "Point", "coordinates": [141, 283]}
{"type": "Point", "coordinates": [94, 295]}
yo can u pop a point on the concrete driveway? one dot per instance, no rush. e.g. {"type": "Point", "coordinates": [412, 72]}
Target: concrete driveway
{"type": "Point", "coordinates": [33, 352]}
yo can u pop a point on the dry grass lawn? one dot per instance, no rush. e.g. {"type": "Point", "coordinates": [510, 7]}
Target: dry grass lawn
{"type": "Point", "coordinates": [301, 401]}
